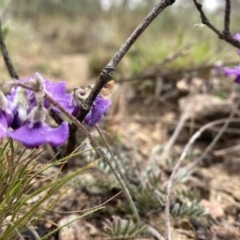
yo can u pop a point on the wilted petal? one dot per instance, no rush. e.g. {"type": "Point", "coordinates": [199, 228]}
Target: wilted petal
{"type": "Point", "coordinates": [100, 107]}
{"type": "Point", "coordinates": [40, 134]}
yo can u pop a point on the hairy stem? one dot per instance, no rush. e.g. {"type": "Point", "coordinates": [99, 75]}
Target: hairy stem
{"type": "Point", "coordinates": [98, 148]}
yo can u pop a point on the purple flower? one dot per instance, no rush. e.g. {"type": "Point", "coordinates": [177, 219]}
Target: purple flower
{"type": "Point", "coordinates": [233, 72]}
{"type": "Point", "coordinates": [35, 135]}
{"type": "Point", "coordinates": [30, 110]}
{"type": "Point", "coordinates": [99, 108]}
{"type": "Point", "coordinates": [26, 112]}
{"type": "Point", "coordinates": [56, 90]}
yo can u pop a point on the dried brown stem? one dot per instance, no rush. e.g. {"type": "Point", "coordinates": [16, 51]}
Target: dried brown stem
{"type": "Point", "coordinates": [227, 15]}
{"type": "Point", "coordinates": [107, 72]}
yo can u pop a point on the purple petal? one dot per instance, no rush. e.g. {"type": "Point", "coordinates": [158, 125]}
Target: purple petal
{"type": "Point", "coordinates": [39, 134]}
{"type": "Point", "coordinates": [237, 80]}
{"type": "Point", "coordinates": [8, 116]}
{"type": "Point", "coordinates": [229, 71]}
{"type": "Point", "coordinates": [66, 102]}
{"type": "Point", "coordinates": [100, 107]}
{"type": "Point", "coordinates": [57, 90]}
{"type": "Point", "coordinates": [3, 126]}
{"type": "Point", "coordinates": [237, 36]}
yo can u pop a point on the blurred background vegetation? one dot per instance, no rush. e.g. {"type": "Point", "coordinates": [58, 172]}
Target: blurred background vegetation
{"type": "Point", "coordinates": [46, 29]}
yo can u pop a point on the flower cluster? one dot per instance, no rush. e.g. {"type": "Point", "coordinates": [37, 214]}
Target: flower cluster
{"type": "Point", "coordinates": [27, 117]}
{"type": "Point", "coordinates": [235, 71]}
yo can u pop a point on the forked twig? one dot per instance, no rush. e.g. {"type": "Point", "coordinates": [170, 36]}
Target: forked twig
{"type": "Point", "coordinates": [225, 34]}
{"type": "Point", "coordinates": [107, 73]}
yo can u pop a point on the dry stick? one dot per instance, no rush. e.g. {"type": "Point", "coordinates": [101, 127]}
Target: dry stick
{"type": "Point", "coordinates": [107, 73]}
{"type": "Point", "coordinates": [226, 30]}
{"type": "Point", "coordinates": [214, 141]}
{"type": "Point", "coordinates": [34, 232]}
{"type": "Point", "coordinates": [182, 52]}
{"type": "Point", "coordinates": [86, 209]}
{"type": "Point", "coordinates": [179, 161]}
{"type": "Point", "coordinates": [152, 76]}
{"type": "Point", "coordinates": [226, 151]}
{"type": "Point", "coordinates": [155, 232]}
{"type": "Point", "coordinates": [98, 148]}
{"type": "Point", "coordinates": [6, 57]}
{"type": "Point", "coordinates": [177, 131]}
{"type": "Point", "coordinates": [222, 35]}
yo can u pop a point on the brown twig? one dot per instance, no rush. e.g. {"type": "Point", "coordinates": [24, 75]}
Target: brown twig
{"type": "Point", "coordinates": [107, 73]}
{"type": "Point", "coordinates": [178, 129]}
{"type": "Point", "coordinates": [214, 141]}
{"type": "Point", "coordinates": [226, 151]}
{"type": "Point", "coordinates": [221, 34]}
{"type": "Point", "coordinates": [152, 76]}
{"type": "Point", "coordinates": [227, 15]}
{"type": "Point", "coordinates": [7, 59]}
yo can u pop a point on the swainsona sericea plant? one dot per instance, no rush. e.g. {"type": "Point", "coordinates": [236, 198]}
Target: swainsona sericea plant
{"type": "Point", "coordinates": [25, 114]}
